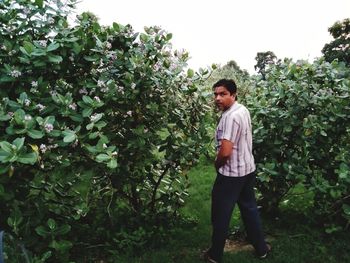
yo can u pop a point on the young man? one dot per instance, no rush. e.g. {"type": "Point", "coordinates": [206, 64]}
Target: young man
{"type": "Point", "coordinates": [235, 179]}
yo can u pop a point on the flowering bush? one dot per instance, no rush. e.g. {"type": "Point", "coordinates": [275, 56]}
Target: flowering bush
{"type": "Point", "coordinates": [98, 126]}
{"type": "Point", "coordinates": [300, 114]}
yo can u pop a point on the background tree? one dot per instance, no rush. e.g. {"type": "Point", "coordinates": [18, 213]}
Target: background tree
{"type": "Point", "coordinates": [263, 59]}
{"type": "Point", "coordinates": [339, 48]}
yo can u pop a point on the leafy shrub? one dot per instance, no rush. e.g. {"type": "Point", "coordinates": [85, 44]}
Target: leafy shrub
{"type": "Point", "coordinates": [97, 127]}
{"type": "Point", "coordinates": [300, 114]}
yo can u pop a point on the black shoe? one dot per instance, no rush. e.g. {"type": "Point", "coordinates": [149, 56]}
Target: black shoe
{"type": "Point", "coordinates": [206, 257]}
{"type": "Point", "coordinates": [269, 248]}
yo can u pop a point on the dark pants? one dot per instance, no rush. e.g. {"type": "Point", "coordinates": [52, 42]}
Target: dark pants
{"type": "Point", "coordinates": [227, 191]}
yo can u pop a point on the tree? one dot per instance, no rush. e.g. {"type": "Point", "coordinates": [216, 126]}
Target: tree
{"type": "Point", "coordinates": [263, 59]}
{"type": "Point", "coordinates": [339, 48]}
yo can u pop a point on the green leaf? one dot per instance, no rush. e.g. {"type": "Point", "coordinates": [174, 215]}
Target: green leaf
{"type": "Point", "coordinates": [51, 223]}
{"type": "Point", "coordinates": [61, 245]}
{"type": "Point", "coordinates": [6, 146]}
{"type": "Point", "coordinates": [91, 58]}
{"type": "Point", "coordinates": [93, 135]}
{"type": "Point", "coordinates": [24, 51]}
{"type": "Point", "coordinates": [19, 116]}
{"type": "Point", "coordinates": [88, 100]}
{"type": "Point", "coordinates": [112, 164]}
{"type": "Point", "coordinates": [90, 126]}
{"type": "Point", "coordinates": [5, 117]}
{"type": "Point", "coordinates": [100, 124]}
{"type": "Point", "coordinates": [27, 158]}
{"type": "Point", "coordinates": [19, 143]}
{"type": "Point", "coordinates": [5, 157]}
{"type": "Point", "coordinates": [39, 3]}
{"type": "Point", "coordinates": [53, 46]}
{"type": "Point", "coordinates": [116, 27]}
{"type": "Point", "coordinates": [55, 59]}
{"type": "Point", "coordinates": [4, 168]}
{"type": "Point", "coordinates": [87, 112]}
{"type": "Point", "coordinates": [49, 120]}
{"type": "Point", "coordinates": [102, 157]}
{"type": "Point", "coordinates": [62, 230]}
{"type": "Point", "coordinates": [169, 36]}
{"type": "Point", "coordinates": [38, 53]}
{"type": "Point", "coordinates": [346, 209]}
{"type": "Point", "coordinates": [69, 136]}
{"type": "Point", "coordinates": [41, 231]}
{"type": "Point", "coordinates": [55, 133]}
{"type": "Point", "coordinates": [35, 134]}
{"type": "Point", "coordinates": [190, 73]}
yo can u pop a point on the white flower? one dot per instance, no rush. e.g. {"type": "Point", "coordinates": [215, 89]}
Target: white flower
{"type": "Point", "coordinates": [51, 20]}
{"type": "Point", "coordinates": [72, 106]}
{"type": "Point", "coordinates": [48, 127]}
{"type": "Point", "coordinates": [94, 117]}
{"type": "Point", "coordinates": [97, 99]}
{"type": "Point", "coordinates": [53, 92]}
{"type": "Point", "coordinates": [71, 58]}
{"type": "Point", "coordinates": [27, 118]}
{"type": "Point", "coordinates": [42, 43]}
{"type": "Point", "coordinates": [27, 102]}
{"type": "Point", "coordinates": [129, 113]}
{"type": "Point", "coordinates": [26, 10]}
{"type": "Point", "coordinates": [40, 107]}
{"type": "Point", "coordinates": [15, 73]}
{"type": "Point", "coordinates": [100, 83]}
{"type": "Point", "coordinates": [33, 90]}
{"type": "Point", "coordinates": [34, 84]}
{"type": "Point", "coordinates": [114, 153]}
{"type": "Point", "coordinates": [133, 85]}
{"type": "Point", "coordinates": [75, 144]}
{"type": "Point", "coordinates": [104, 90]}
{"type": "Point", "coordinates": [108, 45]}
{"type": "Point", "coordinates": [104, 146]}
{"type": "Point", "coordinates": [121, 89]}
{"type": "Point", "coordinates": [83, 91]}
{"type": "Point", "coordinates": [43, 148]}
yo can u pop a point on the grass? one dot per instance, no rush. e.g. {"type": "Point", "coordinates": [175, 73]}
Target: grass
{"type": "Point", "coordinates": [293, 237]}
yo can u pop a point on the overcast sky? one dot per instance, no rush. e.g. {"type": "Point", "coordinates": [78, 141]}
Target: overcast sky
{"type": "Point", "coordinates": [222, 30]}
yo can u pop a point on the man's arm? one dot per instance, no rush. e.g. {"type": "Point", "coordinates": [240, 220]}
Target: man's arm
{"type": "Point", "coordinates": [223, 154]}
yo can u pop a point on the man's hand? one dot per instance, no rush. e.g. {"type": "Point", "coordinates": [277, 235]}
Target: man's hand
{"type": "Point", "coordinates": [224, 153]}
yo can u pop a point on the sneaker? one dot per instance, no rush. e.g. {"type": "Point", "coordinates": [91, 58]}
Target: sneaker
{"type": "Point", "coordinates": [269, 248]}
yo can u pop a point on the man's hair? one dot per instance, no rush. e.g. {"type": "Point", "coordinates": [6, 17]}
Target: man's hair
{"type": "Point", "coordinates": [229, 84]}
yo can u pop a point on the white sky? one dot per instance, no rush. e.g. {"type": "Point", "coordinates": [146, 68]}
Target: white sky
{"type": "Point", "coordinates": [223, 30]}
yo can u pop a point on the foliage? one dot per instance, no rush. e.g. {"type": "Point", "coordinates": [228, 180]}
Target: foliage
{"type": "Point", "coordinates": [263, 60]}
{"type": "Point", "coordinates": [98, 127]}
{"type": "Point", "coordinates": [300, 114]}
{"type": "Point", "coordinates": [339, 48]}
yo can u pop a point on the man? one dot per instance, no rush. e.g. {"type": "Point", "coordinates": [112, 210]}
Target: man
{"type": "Point", "coordinates": [235, 179]}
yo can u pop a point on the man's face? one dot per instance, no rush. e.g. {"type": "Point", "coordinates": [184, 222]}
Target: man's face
{"type": "Point", "coordinates": [223, 98]}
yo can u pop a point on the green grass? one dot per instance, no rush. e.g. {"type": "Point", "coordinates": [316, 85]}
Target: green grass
{"type": "Point", "coordinates": [293, 237]}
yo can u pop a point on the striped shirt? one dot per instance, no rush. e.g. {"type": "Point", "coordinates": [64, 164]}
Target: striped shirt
{"type": "Point", "coordinates": [235, 126]}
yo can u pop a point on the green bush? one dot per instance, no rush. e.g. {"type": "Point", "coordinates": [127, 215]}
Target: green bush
{"type": "Point", "coordinates": [301, 114]}
{"type": "Point", "coordinates": [98, 126]}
